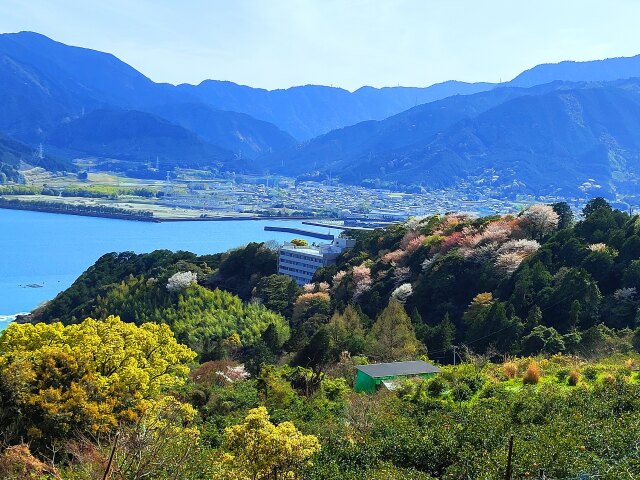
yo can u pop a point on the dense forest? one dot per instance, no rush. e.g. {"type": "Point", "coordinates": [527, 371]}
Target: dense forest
{"type": "Point", "coordinates": [216, 367]}
{"type": "Point", "coordinates": [535, 283]}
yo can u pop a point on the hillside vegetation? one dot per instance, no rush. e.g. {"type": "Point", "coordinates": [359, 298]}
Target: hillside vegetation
{"type": "Point", "coordinates": [542, 311]}
{"type": "Point", "coordinates": [523, 285]}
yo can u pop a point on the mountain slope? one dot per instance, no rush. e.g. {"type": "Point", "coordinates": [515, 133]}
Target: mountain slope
{"type": "Point", "coordinates": [545, 144]}
{"type": "Point", "coordinates": [46, 84]}
{"type": "Point", "coordinates": [337, 150]}
{"type": "Point", "coordinates": [554, 138]}
{"type": "Point", "coordinates": [86, 73]}
{"type": "Point", "coordinates": [138, 137]}
{"type": "Point", "coordinates": [592, 71]}
{"type": "Point", "coordinates": [233, 131]}
{"type": "Point", "coordinates": [312, 110]}
{"type": "Point", "coordinates": [13, 154]}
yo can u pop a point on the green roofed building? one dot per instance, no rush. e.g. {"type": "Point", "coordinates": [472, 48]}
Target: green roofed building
{"type": "Point", "coordinates": [371, 377]}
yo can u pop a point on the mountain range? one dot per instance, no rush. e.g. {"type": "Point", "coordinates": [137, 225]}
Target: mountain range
{"type": "Point", "coordinates": [554, 129]}
{"type": "Point", "coordinates": [553, 139]}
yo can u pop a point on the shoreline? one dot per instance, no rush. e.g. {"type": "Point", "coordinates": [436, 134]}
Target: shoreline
{"type": "Point", "coordinates": [137, 218]}
{"type": "Point", "coordinates": [5, 320]}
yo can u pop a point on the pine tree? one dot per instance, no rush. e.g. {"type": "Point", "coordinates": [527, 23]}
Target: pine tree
{"type": "Point", "coordinates": [392, 336]}
{"type": "Point", "coordinates": [534, 318]}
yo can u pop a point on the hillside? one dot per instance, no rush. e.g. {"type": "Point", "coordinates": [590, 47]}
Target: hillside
{"type": "Point", "coordinates": [46, 84]}
{"type": "Point", "coordinates": [232, 131]}
{"type": "Point", "coordinates": [556, 143]}
{"type": "Point", "coordinates": [312, 110]}
{"type": "Point", "coordinates": [531, 320]}
{"type": "Point", "coordinates": [138, 137]}
{"type": "Point", "coordinates": [580, 129]}
{"type": "Point", "coordinates": [532, 277]}
{"type": "Point", "coordinates": [558, 138]}
{"type": "Point", "coordinates": [367, 141]}
{"type": "Point", "coordinates": [13, 154]}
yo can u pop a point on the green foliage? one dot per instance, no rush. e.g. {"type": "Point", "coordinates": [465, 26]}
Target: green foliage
{"type": "Point", "coordinates": [240, 269]}
{"type": "Point", "coordinates": [277, 293]}
{"type": "Point", "coordinates": [200, 318]}
{"type": "Point", "coordinates": [88, 378]}
{"type": "Point", "coordinates": [392, 336]}
{"type": "Point", "coordinates": [73, 208]}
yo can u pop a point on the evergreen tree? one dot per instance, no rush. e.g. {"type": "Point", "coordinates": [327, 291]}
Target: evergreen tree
{"type": "Point", "coordinates": [534, 318]}
{"type": "Point", "coordinates": [392, 336]}
{"type": "Point", "coordinates": [574, 314]}
{"type": "Point", "coordinates": [317, 353]}
{"type": "Point", "coordinates": [565, 214]}
{"type": "Point", "coordinates": [594, 205]}
{"type": "Point", "coordinates": [447, 332]}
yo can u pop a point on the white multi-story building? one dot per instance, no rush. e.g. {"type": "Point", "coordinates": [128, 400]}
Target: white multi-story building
{"type": "Point", "coordinates": [300, 263]}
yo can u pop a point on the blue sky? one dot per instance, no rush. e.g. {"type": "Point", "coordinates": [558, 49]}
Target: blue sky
{"type": "Point", "coordinates": [346, 43]}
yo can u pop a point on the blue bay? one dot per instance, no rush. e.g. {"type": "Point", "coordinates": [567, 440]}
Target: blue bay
{"type": "Point", "coordinates": [52, 250]}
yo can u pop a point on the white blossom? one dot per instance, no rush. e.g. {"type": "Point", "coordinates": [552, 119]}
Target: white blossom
{"type": "Point", "coordinates": [181, 280]}
{"type": "Point", "coordinates": [625, 294]}
{"type": "Point", "coordinates": [361, 279]}
{"type": "Point", "coordinates": [539, 220]}
{"type": "Point", "coordinates": [403, 292]}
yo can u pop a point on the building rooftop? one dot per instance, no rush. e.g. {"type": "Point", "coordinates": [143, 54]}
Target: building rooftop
{"type": "Point", "coordinates": [304, 250]}
{"type": "Point", "coordinates": [416, 367]}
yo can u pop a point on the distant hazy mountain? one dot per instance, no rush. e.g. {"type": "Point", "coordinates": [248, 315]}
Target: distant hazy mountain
{"type": "Point", "coordinates": [549, 139]}
{"type": "Point", "coordinates": [592, 71]}
{"type": "Point", "coordinates": [312, 110]}
{"type": "Point", "coordinates": [82, 102]}
{"type": "Point", "coordinates": [336, 151]}
{"type": "Point", "coordinates": [139, 137]}
{"type": "Point", "coordinates": [233, 131]}
{"type": "Point", "coordinates": [45, 84]}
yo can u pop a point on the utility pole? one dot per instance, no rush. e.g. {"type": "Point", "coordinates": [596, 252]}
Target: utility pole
{"type": "Point", "coordinates": [454, 355]}
{"type": "Point", "coordinates": [509, 473]}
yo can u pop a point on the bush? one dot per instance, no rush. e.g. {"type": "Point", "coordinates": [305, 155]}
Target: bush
{"type": "Point", "coordinates": [436, 386]}
{"type": "Point", "coordinates": [590, 373]}
{"type": "Point", "coordinates": [608, 379]}
{"type": "Point", "coordinates": [461, 392]}
{"type": "Point", "coordinates": [510, 370]}
{"type": "Point", "coordinates": [532, 375]}
{"type": "Point", "coordinates": [574, 377]}
{"type": "Point", "coordinates": [562, 374]}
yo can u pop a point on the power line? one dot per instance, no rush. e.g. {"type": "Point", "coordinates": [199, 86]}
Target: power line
{"type": "Point", "coordinates": [454, 347]}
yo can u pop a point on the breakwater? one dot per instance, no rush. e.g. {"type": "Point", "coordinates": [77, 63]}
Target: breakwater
{"type": "Point", "coordinates": [299, 231]}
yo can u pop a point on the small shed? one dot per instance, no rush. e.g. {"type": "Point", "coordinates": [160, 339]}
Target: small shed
{"type": "Point", "coordinates": [370, 377]}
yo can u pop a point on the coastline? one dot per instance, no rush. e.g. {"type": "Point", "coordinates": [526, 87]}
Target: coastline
{"type": "Point", "coordinates": [5, 320]}
{"type": "Point", "coordinates": [138, 218]}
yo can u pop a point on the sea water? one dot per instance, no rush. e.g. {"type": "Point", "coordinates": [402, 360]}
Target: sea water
{"type": "Point", "coordinates": [41, 254]}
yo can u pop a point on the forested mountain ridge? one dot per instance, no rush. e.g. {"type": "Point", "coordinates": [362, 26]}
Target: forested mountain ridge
{"type": "Point", "coordinates": [589, 71]}
{"type": "Point", "coordinates": [44, 85]}
{"type": "Point", "coordinates": [311, 110]}
{"type": "Point", "coordinates": [559, 138]}
{"type": "Point", "coordinates": [527, 284]}
{"type": "Point", "coordinates": [368, 142]}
